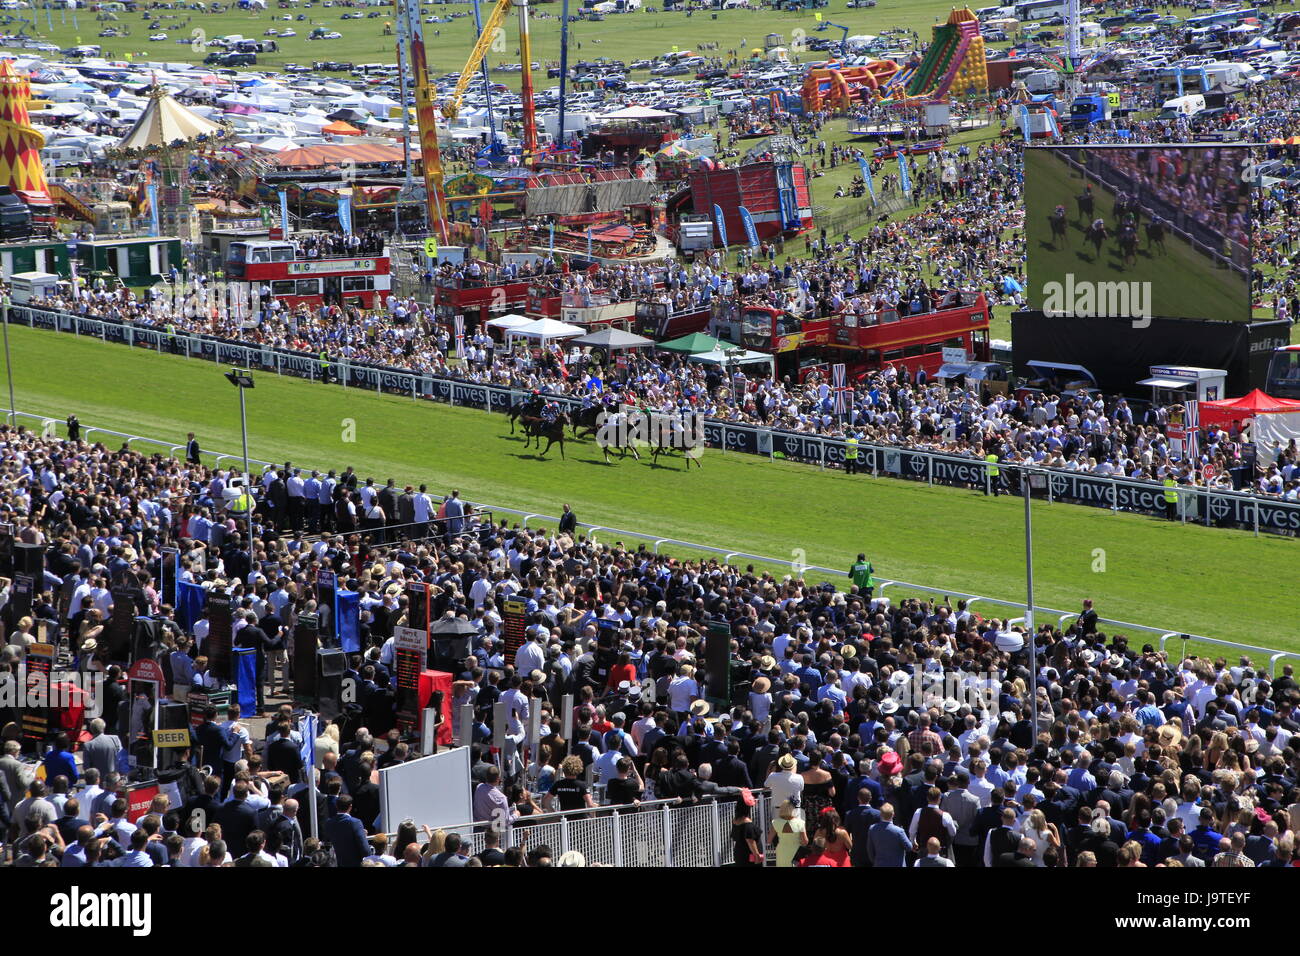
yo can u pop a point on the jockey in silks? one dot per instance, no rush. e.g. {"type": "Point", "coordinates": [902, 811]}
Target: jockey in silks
{"type": "Point", "coordinates": [1098, 224]}
{"type": "Point", "coordinates": [1059, 211]}
{"type": "Point", "coordinates": [549, 412]}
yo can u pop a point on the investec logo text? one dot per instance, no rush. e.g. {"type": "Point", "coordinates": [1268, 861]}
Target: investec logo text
{"type": "Point", "coordinates": [61, 690]}
{"type": "Point", "coordinates": [638, 429]}
{"type": "Point", "coordinates": [1083, 298]}
{"type": "Point", "coordinates": [77, 910]}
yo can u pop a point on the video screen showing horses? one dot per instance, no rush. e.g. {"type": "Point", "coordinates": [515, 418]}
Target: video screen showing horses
{"type": "Point", "coordinates": [1138, 232]}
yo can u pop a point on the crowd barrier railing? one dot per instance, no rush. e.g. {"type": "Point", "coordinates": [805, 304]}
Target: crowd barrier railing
{"type": "Point", "coordinates": [655, 833]}
{"type": "Point", "coordinates": [1162, 634]}
{"type": "Point", "coordinates": [1206, 506]}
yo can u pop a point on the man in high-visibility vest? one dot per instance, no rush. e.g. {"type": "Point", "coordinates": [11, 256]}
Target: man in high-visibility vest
{"type": "Point", "coordinates": [324, 366]}
{"type": "Point", "coordinates": [1171, 497]}
{"type": "Point", "coordinates": [861, 575]}
{"type": "Point", "coordinates": [994, 484]}
{"type": "Point", "coordinates": [851, 455]}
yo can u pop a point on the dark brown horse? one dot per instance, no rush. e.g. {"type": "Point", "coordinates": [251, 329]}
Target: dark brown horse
{"type": "Point", "coordinates": [552, 431]}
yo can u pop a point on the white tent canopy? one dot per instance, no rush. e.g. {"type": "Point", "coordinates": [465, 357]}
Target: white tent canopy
{"type": "Point", "coordinates": [637, 113]}
{"type": "Point", "coordinates": [509, 322]}
{"type": "Point", "coordinates": [734, 356]}
{"type": "Point", "coordinates": [544, 330]}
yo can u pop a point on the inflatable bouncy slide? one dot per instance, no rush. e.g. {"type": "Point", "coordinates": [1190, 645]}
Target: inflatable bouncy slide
{"type": "Point", "coordinates": [837, 89]}
{"type": "Point", "coordinates": [955, 63]}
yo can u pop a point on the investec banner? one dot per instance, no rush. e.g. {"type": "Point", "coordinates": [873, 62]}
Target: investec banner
{"type": "Point", "coordinates": [331, 265]}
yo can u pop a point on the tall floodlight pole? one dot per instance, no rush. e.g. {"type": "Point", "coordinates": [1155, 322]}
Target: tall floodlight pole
{"type": "Point", "coordinates": [1028, 480]}
{"type": "Point", "coordinates": [1073, 53]}
{"type": "Point", "coordinates": [242, 379]}
{"type": "Point", "coordinates": [9, 368]}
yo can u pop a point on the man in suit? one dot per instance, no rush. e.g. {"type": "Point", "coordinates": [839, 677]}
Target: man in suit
{"type": "Point", "coordinates": [237, 817]}
{"type": "Point", "coordinates": [568, 521]}
{"type": "Point", "coordinates": [212, 739]}
{"type": "Point", "coordinates": [100, 751]}
{"type": "Point", "coordinates": [192, 449]}
{"type": "Point", "coordinates": [200, 810]}
{"type": "Point", "coordinates": [859, 821]}
{"type": "Point", "coordinates": [887, 843]}
{"type": "Point", "coordinates": [731, 771]}
{"type": "Point", "coordinates": [365, 798]}
{"type": "Point", "coordinates": [277, 499]}
{"type": "Point", "coordinates": [283, 754]}
{"type": "Point", "coordinates": [1003, 841]}
{"type": "Point", "coordinates": [1022, 857]}
{"type": "Point", "coordinates": [388, 501]}
{"type": "Point", "coordinates": [346, 833]}
{"type": "Point", "coordinates": [963, 806]}
{"type": "Point", "coordinates": [1087, 622]}
{"type": "Point", "coordinates": [17, 775]}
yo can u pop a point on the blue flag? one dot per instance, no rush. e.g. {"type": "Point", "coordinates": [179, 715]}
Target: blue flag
{"type": "Point", "coordinates": [904, 174]}
{"type": "Point", "coordinates": [720, 221]}
{"type": "Point", "coordinates": [307, 727]}
{"type": "Point", "coordinates": [349, 620]}
{"type": "Point", "coordinates": [284, 214]}
{"type": "Point", "coordinates": [246, 678]}
{"type": "Point", "coordinates": [750, 232]}
{"type": "Point", "coordinates": [155, 229]}
{"type": "Point", "coordinates": [190, 599]}
{"type": "Point", "coordinates": [866, 178]}
{"type": "Point", "coordinates": [345, 213]}
{"type": "Point", "coordinates": [589, 242]}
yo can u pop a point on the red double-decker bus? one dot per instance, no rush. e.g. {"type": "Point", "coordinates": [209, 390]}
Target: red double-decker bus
{"type": "Point", "coordinates": [297, 280]}
{"type": "Point", "coordinates": [762, 328]}
{"type": "Point", "coordinates": [478, 299]}
{"type": "Point", "coordinates": [864, 343]}
{"type": "Point", "coordinates": [957, 320]}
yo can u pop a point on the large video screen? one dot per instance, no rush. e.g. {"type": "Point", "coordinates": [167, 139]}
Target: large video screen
{"type": "Point", "coordinates": [1138, 231]}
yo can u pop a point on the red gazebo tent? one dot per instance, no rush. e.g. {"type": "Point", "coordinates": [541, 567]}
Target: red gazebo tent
{"type": "Point", "coordinates": [1229, 410]}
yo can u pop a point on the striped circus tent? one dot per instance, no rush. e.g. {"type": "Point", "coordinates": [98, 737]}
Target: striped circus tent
{"type": "Point", "coordinates": [20, 142]}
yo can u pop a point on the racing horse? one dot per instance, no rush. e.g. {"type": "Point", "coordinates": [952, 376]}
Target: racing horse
{"type": "Point", "coordinates": [530, 407]}
{"type": "Point", "coordinates": [1057, 221]}
{"type": "Point", "coordinates": [586, 421]}
{"type": "Point", "coordinates": [552, 431]}
{"type": "Point", "coordinates": [1156, 235]}
{"type": "Point", "coordinates": [1128, 243]}
{"type": "Point", "coordinates": [1084, 199]}
{"type": "Point", "coordinates": [1096, 233]}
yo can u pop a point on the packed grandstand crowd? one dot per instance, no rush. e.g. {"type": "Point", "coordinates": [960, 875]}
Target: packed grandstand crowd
{"type": "Point", "coordinates": [881, 731]}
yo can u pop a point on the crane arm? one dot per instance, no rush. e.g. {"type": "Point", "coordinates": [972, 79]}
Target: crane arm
{"type": "Point", "coordinates": [451, 106]}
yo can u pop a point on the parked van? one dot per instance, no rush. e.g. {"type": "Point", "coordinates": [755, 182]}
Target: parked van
{"type": "Point", "coordinates": [1188, 106]}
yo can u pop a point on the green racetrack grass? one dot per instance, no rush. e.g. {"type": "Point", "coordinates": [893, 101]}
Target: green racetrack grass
{"type": "Point", "coordinates": [1213, 582]}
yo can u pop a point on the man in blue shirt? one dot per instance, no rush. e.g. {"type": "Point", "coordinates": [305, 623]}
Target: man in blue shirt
{"type": "Point", "coordinates": [60, 762]}
{"type": "Point", "coordinates": [1149, 714]}
{"type": "Point", "coordinates": [887, 843]}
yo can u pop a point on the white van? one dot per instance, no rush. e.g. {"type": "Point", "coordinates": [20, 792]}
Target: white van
{"type": "Point", "coordinates": [65, 155]}
{"type": "Point", "coordinates": [1188, 106]}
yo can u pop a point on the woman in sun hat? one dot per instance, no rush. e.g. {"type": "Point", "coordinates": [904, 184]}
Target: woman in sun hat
{"type": "Point", "coordinates": [784, 782]}
{"type": "Point", "coordinates": [760, 701]}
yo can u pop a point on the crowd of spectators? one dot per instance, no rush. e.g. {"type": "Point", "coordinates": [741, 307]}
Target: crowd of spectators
{"type": "Point", "coordinates": [882, 732]}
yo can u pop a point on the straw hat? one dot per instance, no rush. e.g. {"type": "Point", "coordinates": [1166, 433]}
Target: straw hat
{"type": "Point", "coordinates": [699, 708]}
{"type": "Point", "coordinates": [767, 662]}
{"type": "Point", "coordinates": [849, 650]}
{"type": "Point", "coordinates": [787, 762]}
{"type": "Point", "coordinates": [1170, 734]}
{"type": "Point", "coordinates": [89, 646]}
{"type": "Point", "coordinates": [761, 685]}
{"type": "Point", "coordinates": [888, 705]}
